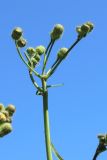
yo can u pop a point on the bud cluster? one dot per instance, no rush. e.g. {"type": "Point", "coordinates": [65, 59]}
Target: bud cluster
{"type": "Point", "coordinates": [103, 139]}
{"type": "Point", "coordinates": [35, 54]}
{"type": "Point", "coordinates": [17, 36]}
{"type": "Point", "coordinates": [6, 119]}
{"type": "Point", "coordinates": [84, 29]}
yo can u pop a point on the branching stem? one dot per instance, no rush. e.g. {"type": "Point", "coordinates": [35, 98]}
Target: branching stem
{"type": "Point", "coordinates": [58, 61]}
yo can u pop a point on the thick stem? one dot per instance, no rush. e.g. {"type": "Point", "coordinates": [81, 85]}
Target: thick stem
{"type": "Point", "coordinates": [101, 148]}
{"type": "Point", "coordinates": [95, 156]}
{"type": "Point", "coordinates": [46, 122]}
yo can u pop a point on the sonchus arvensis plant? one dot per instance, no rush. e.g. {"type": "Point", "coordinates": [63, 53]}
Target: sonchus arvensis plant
{"type": "Point", "coordinates": [32, 57]}
{"type": "Point", "coordinates": [6, 114]}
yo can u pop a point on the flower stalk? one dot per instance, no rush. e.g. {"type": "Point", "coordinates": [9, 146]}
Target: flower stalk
{"type": "Point", "coordinates": [46, 121]}
{"type": "Point", "coordinates": [33, 56]}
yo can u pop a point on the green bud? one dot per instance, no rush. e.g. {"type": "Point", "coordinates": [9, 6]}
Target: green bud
{"type": "Point", "coordinates": [62, 53]}
{"type": "Point", "coordinates": [1, 107]}
{"type": "Point", "coordinates": [2, 117]}
{"type": "Point", "coordinates": [11, 109]}
{"type": "Point", "coordinates": [21, 42]}
{"type": "Point", "coordinates": [101, 136]}
{"type": "Point", "coordinates": [5, 128]}
{"type": "Point", "coordinates": [40, 50]}
{"type": "Point", "coordinates": [57, 32]}
{"type": "Point", "coordinates": [31, 51]}
{"type": "Point", "coordinates": [7, 116]}
{"type": "Point", "coordinates": [90, 25]}
{"type": "Point", "coordinates": [17, 33]}
{"type": "Point", "coordinates": [85, 28]}
{"type": "Point", "coordinates": [78, 29]}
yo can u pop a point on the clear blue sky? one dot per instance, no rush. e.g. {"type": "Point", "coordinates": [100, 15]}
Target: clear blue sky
{"type": "Point", "coordinates": [78, 110]}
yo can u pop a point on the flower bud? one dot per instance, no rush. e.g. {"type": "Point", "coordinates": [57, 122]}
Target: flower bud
{"type": "Point", "coordinates": [6, 113]}
{"type": "Point", "coordinates": [21, 42]}
{"type": "Point", "coordinates": [8, 118]}
{"type": "Point", "coordinates": [17, 33]}
{"type": "Point", "coordinates": [31, 51]}
{"type": "Point", "coordinates": [62, 53]}
{"type": "Point", "coordinates": [2, 117]}
{"type": "Point", "coordinates": [40, 50]}
{"type": "Point", "coordinates": [78, 29]}
{"type": "Point", "coordinates": [1, 107]}
{"type": "Point", "coordinates": [57, 32]}
{"type": "Point", "coordinates": [101, 136]}
{"type": "Point", "coordinates": [90, 25]}
{"type": "Point", "coordinates": [5, 128]}
{"type": "Point", "coordinates": [85, 28]}
{"type": "Point", "coordinates": [11, 109]}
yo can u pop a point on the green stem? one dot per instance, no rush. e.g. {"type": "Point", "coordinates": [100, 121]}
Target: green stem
{"type": "Point", "coordinates": [73, 45]}
{"type": "Point", "coordinates": [58, 61]}
{"type": "Point", "coordinates": [95, 156]}
{"type": "Point", "coordinates": [48, 54]}
{"type": "Point", "coordinates": [45, 56]}
{"type": "Point", "coordinates": [52, 70]}
{"type": "Point", "coordinates": [34, 83]}
{"type": "Point", "coordinates": [56, 152]}
{"type": "Point", "coordinates": [46, 121]}
{"type": "Point", "coordinates": [101, 148]}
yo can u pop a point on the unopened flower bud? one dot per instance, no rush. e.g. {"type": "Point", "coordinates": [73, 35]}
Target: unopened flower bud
{"type": "Point", "coordinates": [57, 32]}
{"type": "Point", "coordinates": [78, 29]}
{"type": "Point", "coordinates": [21, 42]}
{"type": "Point", "coordinates": [40, 50]}
{"type": "Point", "coordinates": [90, 25]}
{"type": "Point", "coordinates": [2, 118]}
{"type": "Point", "coordinates": [5, 128]}
{"type": "Point", "coordinates": [1, 107]}
{"type": "Point", "coordinates": [62, 53]}
{"type": "Point", "coordinates": [17, 33]}
{"type": "Point", "coordinates": [85, 28]}
{"type": "Point", "coordinates": [31, 51]}
{"type": "Point", "coordinates": [11, 109]}
{"type": "Point", "coordinates": [6, 113]}
{"type": "Point", "coordinates": [101, 136]}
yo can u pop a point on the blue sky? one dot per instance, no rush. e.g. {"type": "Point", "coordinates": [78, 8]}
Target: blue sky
{"type": "Point", "coordinates": [78, 109]}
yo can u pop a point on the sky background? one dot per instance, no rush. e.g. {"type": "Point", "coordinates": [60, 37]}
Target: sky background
{"type": "Point", "coordinates": [78, 110]}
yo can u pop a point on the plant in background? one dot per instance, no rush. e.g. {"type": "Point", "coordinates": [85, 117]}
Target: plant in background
{"type": "Point", "coordinates": [102, 146]}
{"type": "Point", "coordinates": [6, 114]}
{"type": "Point", "coordinates": [32, 57]}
